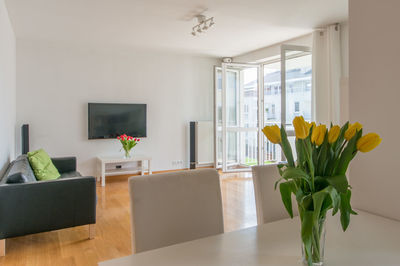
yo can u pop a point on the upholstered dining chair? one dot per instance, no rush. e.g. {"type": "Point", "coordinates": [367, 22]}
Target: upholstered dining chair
{"type": "Point", "coordinates": [269, 206]}
{"type": "Point", "coordinates": [175, 207]}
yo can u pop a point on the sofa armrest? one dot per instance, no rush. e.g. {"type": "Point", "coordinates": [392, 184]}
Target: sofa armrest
{"type": "Point", "coordinates": [65, 164]}
{"type": "Point", "coordinates": [46, 205]}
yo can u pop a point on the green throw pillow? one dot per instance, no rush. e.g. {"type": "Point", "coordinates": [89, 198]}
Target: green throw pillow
{"type": "Point", "coordinates": [42, 165]}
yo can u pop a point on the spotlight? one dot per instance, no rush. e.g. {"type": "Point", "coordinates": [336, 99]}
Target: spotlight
{"type": "Point", "coordinates": [203, 24]}
{"type": "Point", "coordinates": [211, 22]}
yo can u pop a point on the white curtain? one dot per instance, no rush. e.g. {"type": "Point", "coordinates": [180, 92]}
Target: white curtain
{"type": "Point", "coordinates": [327, 74]}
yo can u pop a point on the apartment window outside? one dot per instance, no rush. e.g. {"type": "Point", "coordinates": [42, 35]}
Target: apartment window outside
{"type": "Point", "coordinates": [297, 107]}
{"type": "Point", "coordinates": [298, 72]}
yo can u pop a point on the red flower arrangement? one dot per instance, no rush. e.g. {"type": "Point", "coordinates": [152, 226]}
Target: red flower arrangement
{"type": "Point", "coordinates": [128, 143]}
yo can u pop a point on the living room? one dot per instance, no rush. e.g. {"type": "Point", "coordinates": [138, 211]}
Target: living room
{"type": "Point", "coordinates": [204, 84]}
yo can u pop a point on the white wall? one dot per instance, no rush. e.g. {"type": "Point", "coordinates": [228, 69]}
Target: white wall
{"type": "Point", "coordinates": [7, 89]}
{"type": "Point", "coordinates": [57, 80]}
{"type": "Point", "coordinates": [344, 82]}
{"type": "Point", "coordinates": [374, 101]}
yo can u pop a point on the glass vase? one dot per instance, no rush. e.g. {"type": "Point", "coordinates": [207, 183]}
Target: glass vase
{"type": "Point", "coordinates": [317, 245]}
{"type": "Point", "coordinates": [127, 154]}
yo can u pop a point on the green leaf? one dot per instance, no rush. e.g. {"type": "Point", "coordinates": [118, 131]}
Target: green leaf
{"type": "Point", "coordinates": [286, 190]}
{"type": "Point", "coordinates": [322, 203]}
{"type": "Point", "coordinates": [345, 209]}
{"type": "Point", "coordinates": [286, 148]}
{"type": "Point", "coordinates": [335, 202]}
{"type": "Point", "coordinates": [280, 166]}
{"type": "Point", "coordinates": [320, 183]}
{"type": "Point", "coordinates": [300, 153]}
{"type": "Point", "coordinates": [277, 182]}
{"type": "Point", "coordinates": [318, 200]}
{"type": "Point", "coordinates": [299, 196]}
{"type": "Point", "coordinates": [290, 173]}
{"type": "Point", "coordinates": [306, 202]}
{"type": "Point", "coordinates": [307, 225]}
{"type": "Point", "coordinates": [322, 158]}
{"type": "Point", "coordinates": [348, 154]}
{"type": "Point", "coordinates": [306, 233]}
{"type": "Point", "coordinates": [339, 182]}
{"type": "Point", "coordinates": [338, 143]}
{"type": "Point", "coordinates": [296, 173]}
{"type": "Point", "coordinates": [308, 154]}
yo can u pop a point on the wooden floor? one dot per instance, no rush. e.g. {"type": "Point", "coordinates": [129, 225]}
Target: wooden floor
{"type": "Point", "coordinates": [113, 237]}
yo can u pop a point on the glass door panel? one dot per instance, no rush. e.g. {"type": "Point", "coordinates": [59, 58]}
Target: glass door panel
{"type": "Point", "coordinates": [232, 98]}
{"type": "Point", "coordinates": [296, 73]}
{"type": "Point", "coordinates": [298, 83]}
{"type": "Point", "coordinates": [271, 153]}
{"type": "Point", "coordinates": [218, 117]}
{"type": "Point", "coordinates": [240, 128]}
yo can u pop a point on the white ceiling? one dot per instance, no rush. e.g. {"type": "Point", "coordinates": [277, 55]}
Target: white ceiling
{"type": "Point", "coordinates": [241, 26]}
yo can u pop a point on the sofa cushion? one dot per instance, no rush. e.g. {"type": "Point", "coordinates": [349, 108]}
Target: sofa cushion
{"type": "Point", "coordinates": [16, 178]}
{"type": "Point", "coordinates": [20, 165]}
{"type": "Point", "coordinates": [70, 174]}
{"type": "Point", "coordinates": [42, 165]}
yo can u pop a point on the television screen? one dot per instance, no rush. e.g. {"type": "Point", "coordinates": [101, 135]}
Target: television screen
{"type": "Point", "coordinates": [109, 120]}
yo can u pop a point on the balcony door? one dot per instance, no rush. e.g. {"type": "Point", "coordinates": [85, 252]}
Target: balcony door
{"type": "Point", "coordinates": [251, 96]}
{"type": "Point", "coordinates": [237, 127]}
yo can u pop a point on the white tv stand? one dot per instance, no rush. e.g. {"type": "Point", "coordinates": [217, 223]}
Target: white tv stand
{"type": "Point", "coordinates": [133, 165]}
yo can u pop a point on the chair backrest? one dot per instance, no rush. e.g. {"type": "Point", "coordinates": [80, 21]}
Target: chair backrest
{"type": "Point", "coordinates": [269, 204]}
{"type": "Point", "coordinates": [175, 207]}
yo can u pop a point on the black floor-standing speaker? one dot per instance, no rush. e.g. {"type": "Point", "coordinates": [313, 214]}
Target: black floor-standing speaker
{"type": "Point", "coordinates": [192, 145]}
{"type": "Point", "coordinates": [25, 138]}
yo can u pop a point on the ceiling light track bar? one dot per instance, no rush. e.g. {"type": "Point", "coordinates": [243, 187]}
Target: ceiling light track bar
{"type": "Point", "coordinates": [203, 24]}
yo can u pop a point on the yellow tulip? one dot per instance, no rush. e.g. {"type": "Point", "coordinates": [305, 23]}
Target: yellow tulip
{"type": "Point", "coordinates": [313, 124]}
{"type": "Point", "coordinates": [318, 135]}
{"type": "Point", "coordinates": [301, 127]}
{"type": "Point", "coordinates": [368, 142]}
{"type": "Point", "coordinates": [333, 134]}
{"type": "Point", "coordinates": [352, 130]}
{"type": "Point", "coordinates": [273, 133]}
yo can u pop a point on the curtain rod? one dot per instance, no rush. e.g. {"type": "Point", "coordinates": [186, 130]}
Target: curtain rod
{"type": "Point", "coordinates": [323, 29]}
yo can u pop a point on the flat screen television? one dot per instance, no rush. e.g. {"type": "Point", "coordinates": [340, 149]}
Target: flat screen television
{"type": "Point", "coordinates": [109, 120]}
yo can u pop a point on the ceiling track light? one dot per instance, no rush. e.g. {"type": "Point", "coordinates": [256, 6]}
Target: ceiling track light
{"type": "Point", "coordinates": [202, 25]}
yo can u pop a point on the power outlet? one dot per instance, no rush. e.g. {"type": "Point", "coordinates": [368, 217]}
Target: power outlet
{"type": "Point", "coordinates": [177, 163]}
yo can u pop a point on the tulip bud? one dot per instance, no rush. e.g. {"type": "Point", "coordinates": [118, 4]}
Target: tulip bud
{"type": "Point", "coordinates": [318, 135]}
{"type": "Point", "coordinates": [368, 142]}
{"type": "Point", "coordinates": [273, 133]}
{"type": "Point", "coordinates": [352, 130]}
{"type": "Point", "coordinates": [333, 134]}
{"type": "Point", "coordinates": [313, 125]}
{"type": "Point", "coordinates": [301, 127]}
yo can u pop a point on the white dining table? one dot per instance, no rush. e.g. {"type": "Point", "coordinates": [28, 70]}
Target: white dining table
{"type": "Point", "coordinates": [369, 240]}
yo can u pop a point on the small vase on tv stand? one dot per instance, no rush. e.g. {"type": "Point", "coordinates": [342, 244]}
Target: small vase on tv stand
{"type": "Point", "coordinates": [128, 143]}
{"type": "Point", "coordinates": [127, 154]}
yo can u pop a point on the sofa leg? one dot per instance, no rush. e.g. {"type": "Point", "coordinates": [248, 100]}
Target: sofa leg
{"type": "Point", "coordinates": [92, 231]}
{"type": "Point", "coordinates": [2, 247]}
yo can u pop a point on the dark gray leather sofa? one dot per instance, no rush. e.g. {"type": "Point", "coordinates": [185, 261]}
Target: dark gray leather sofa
{"type": "Point", "coordinates": [38, 206]}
